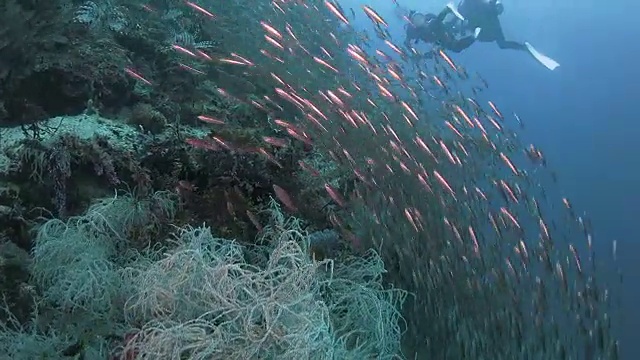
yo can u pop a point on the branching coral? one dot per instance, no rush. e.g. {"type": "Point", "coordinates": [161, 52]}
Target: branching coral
{"type": "Point", "coordinates": [199, 296]}
{"type": "Point", "coordinates": [204, 301]}
{"type": "Point", "coordinates": [26, 341]}
{"type": "Point", "coordinates": [76, 262]}
{"type": "Point", "coordinates": [133, 218]}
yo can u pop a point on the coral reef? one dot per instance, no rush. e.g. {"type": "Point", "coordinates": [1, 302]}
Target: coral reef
{"type": "Point", "coordinates": [95, 292]}
{"type": "Point", "coordinates": [97, 112]}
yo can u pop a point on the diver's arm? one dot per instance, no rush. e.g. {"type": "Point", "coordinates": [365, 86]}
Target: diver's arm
{"type": "Point", "coordinates": [411, 34]}
{"type": "Point", "coordinates": [407, 42]}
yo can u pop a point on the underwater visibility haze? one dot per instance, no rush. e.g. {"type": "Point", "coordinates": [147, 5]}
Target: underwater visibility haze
{"type": "Point", "coordinates": [318, 179]}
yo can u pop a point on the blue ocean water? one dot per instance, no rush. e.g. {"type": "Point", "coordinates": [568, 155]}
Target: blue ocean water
{"type": "Point", "coordinates": [582, 115]}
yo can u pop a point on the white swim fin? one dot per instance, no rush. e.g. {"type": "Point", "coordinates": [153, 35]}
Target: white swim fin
{"type": "Point", "coordinates": [548, 62]}
{"type": "Point", "coordinates": [455, 12]}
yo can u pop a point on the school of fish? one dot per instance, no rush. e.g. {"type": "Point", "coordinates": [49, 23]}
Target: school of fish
{"type": "Point", "coordinates": [442, 186]}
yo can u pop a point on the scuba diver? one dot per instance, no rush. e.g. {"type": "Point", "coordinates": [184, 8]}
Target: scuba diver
{"type": "Point", "coordinates": [484, 14]}
{"type": "Point", "coordinates": [432, 29]}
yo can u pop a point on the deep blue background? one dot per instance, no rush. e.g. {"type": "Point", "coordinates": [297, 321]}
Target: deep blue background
{"type": "Point", "coordinates": [583, 115]}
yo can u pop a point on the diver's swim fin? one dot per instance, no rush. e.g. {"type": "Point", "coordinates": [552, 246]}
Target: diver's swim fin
{"type": "Point", "coordinates": [455, 12]}
{"type": "Point", "coordinates": [548, 62]}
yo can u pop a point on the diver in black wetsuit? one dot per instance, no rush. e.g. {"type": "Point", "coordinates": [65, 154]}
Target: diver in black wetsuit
{"type": "Point", "coordinates": [483, 17]}
{"type": "Point", "coordinates": [484, 14]}
{"type": "Point", "coordinates": [431, 28]}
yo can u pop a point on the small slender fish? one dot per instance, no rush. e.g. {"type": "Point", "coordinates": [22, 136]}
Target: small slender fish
{"type": "Point", "coordinates": [333, 193]}
{"type": "Point", "coordinates": [200, 9]}
{"type": "Point", "coordinates": [135, 75]}
{"type": "Point", "coordinates": [334, 9]}
{"type": "Point", "coordinates": [284, 198]}
{"type": "Point", "coordinates": [210, 120]}
{"type": "Point", "coordinates": [374, 16]}
{"type": "Point", "coordinates": [203, 144]}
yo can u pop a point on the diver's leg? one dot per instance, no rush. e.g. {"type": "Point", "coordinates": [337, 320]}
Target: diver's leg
{"type": "Point", "coordinates": [506, 44]}
{"type": "Point", "coordinates": [459, 45]}
{"type": "Point", "coordinates": [495, 33]}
